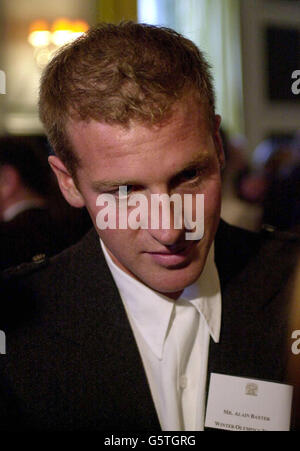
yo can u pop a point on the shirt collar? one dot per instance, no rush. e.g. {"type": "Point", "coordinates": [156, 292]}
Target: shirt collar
{"type": "Point", "coordinates": [23, 205]}
{"type": "Point", "coordinates": [152, 311]}
{"type": "Point", "coordinates": [205, 295]}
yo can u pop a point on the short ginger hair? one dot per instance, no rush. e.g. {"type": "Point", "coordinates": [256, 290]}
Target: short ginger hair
{"type": "Point", "coordinates": [119, 74]}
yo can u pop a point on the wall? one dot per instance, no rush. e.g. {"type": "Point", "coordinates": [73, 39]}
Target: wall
{"type": "Point", "coordinates": [114, 11]}
{"type": "Point", "coordinates": [262, 116]}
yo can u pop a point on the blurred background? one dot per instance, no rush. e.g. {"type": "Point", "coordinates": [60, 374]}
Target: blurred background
{"type": "Point", "coordinates": [254, 49]}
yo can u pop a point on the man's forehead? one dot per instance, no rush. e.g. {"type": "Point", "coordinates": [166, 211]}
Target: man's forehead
{"type": "Point", "coordinates": [112, 154]}
{"type": "Point", "coordinates": [187, 111]}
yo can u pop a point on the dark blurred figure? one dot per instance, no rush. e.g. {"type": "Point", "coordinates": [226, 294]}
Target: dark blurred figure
{"type": "Point", "coordinates": [274, 182]}
{"type": "Point", "coordinates": [282, 199]}
{"type": "Point", "coordinates": [237, 209]}
{"type": "Point", "coordinates": [34, 219]}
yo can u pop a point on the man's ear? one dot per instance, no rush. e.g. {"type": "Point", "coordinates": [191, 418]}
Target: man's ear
{"type": "Point", "coordinates": [218, 141]}
{"type": "Point", "coordinates": [66, 183]}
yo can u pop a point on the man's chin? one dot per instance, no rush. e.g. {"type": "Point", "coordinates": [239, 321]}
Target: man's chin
{"type": "Point", "coordinates": [175, 282]}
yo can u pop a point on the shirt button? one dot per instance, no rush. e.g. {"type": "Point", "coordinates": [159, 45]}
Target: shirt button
{"type": "Point", "coordinates": [183, 382]}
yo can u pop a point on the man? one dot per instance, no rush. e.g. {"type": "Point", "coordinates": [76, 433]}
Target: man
{"type": "Point", "coordinates": [122, 333]}
{"type": "Point", "coordinates": [29, 227]}
{"type": "Point", "coordinates": [26, 225]}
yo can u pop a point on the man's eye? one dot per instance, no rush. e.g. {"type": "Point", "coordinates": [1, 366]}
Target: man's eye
{"type": "Point", "coordinates": [190, 174]}
{"type": "Point", "coordinates": [122, 192]}
{"type": "Point", "coordinates": [190, 177]}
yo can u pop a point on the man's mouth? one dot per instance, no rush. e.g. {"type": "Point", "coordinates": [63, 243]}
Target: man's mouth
{"type": "Point", "coordinates": [174, 255]}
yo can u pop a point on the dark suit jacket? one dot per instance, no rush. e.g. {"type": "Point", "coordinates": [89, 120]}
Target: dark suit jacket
{"type": "Point", "coordinates": [36, 231]}
{"type": "Point", "coordinates": [72, 362]}
{"type": "Point", "coordinates": [31, 232]}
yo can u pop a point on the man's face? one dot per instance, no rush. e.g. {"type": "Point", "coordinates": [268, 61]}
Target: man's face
{"type": "Point", "coordinates": [180, 156]}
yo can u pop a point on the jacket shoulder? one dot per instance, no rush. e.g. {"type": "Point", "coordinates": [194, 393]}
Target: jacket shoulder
{"type": "Point", "coordinates": [270, 232]}
{"type": "Point", "coordinates": [70, 258]}
{"type": "Point", "coordinates": [236, 248]}
{"type": "Point", "coordinates": [38, 262]}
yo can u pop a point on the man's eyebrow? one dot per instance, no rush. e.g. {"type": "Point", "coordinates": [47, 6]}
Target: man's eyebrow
{"type": "Point", "coordinates": [200, 160]}
{"type": "Point", "coordinates": [103, 185]}
{"type": "Point", "coordinates": [108, 184]}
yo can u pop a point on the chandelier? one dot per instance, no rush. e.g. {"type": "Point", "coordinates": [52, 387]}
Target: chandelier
{"type": "Point", "coordinates": [46, 39]}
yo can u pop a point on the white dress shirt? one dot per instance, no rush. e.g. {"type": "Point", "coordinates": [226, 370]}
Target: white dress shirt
{"type": "Point", "coordinates": [173, 340]}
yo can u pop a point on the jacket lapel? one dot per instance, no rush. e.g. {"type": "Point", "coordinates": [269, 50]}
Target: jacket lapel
{"type": "Point", "coordinates": [121, 370]}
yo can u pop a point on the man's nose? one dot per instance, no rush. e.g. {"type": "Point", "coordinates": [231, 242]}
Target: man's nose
{"type": "Point", "coordinates": [166, 223]}
{"type": "Point", "coordinates": [167, 237]}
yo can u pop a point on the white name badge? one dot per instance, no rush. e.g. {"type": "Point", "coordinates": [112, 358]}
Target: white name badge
{"type": "Point", "coordinates": [241, 404]}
